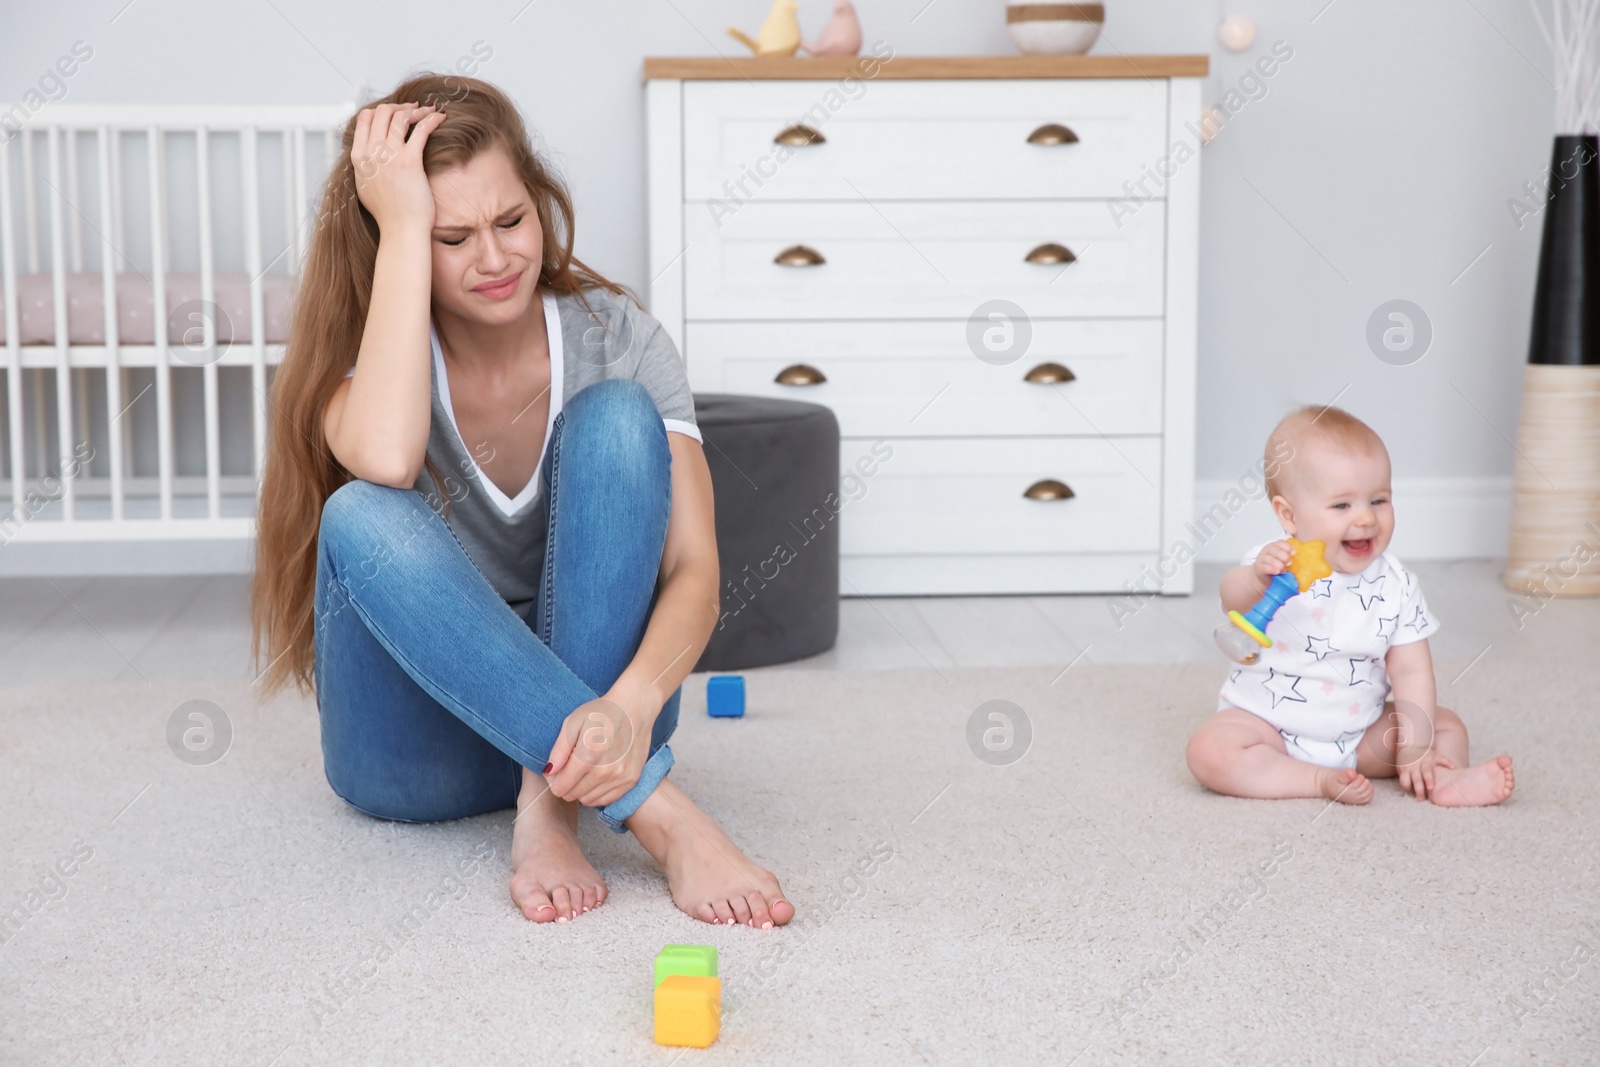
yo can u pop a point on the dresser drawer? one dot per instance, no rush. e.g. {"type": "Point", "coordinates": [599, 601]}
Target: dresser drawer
{"type": "Point", "coordinates": [931, 140]}
{"type": "Point", "coordinates": [891, 379]}
{"type": "Point", "coordinates": [930, 259]}
{"type": "Point", "coordinates": [938, 496]}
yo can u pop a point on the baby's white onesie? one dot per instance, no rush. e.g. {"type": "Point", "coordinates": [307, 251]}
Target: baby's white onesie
{"type": "Point", "coordinates": [1323, 681]}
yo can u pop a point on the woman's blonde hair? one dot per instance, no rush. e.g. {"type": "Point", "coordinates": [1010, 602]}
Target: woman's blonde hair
{"type": "Point", "coordinates": [330, 314]}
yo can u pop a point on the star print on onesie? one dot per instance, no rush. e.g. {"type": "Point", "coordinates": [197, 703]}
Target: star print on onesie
{"type": "Point", "coordinates": [1323, 681]}
{"type": "Point", "coordinates": [1320, 647]}
{"type": "Point", "coordinates": [1368, 590]}
{"type": "Point", "coordinates": [1282, 687]}
{"type": "Point", "coordinates": [1366, 670]}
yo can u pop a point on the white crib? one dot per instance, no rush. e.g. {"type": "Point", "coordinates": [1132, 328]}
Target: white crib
{"type": "Point", "coordinates": [145, 306]}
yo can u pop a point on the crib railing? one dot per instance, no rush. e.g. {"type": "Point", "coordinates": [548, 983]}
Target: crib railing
{"type": "Point", "coordinates": [135, 398]}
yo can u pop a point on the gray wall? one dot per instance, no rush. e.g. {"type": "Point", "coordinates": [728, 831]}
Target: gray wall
{"type": "Point", "coordinates": [1377, 164]}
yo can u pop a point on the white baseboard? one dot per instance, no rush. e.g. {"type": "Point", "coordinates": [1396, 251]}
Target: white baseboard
{"type": "Point", "coordinates": [55, 559]}
{"type": "Point", "coordinates": [1435, 518]}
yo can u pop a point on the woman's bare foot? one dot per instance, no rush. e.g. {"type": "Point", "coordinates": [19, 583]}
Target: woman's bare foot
{"type": "Point", "coordinates": [1347, 785]}
{"type": "Point", "coordinates": [1489, 782]}
{"type": "Point", "coordinates": [551, 879]}
{"type": "Point", "coordinates": [709, 877]}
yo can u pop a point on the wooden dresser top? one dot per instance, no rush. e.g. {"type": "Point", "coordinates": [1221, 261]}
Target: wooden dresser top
{"type": "Point", "coordinates": [832, 68]}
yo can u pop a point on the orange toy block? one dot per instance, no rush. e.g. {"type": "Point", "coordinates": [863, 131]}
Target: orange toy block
{"type": "Point", "coordinates": [688, 1010]}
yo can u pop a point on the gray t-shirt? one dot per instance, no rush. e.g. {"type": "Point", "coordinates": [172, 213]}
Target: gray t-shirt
{"type": "Point", "coordinates": [505, 536]}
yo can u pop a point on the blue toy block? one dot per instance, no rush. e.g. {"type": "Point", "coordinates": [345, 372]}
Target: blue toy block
{"type": "Point", "coordinates": [725, 696]}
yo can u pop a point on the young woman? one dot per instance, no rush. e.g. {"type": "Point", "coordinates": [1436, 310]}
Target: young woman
{"type": "Point", "coordinates": [485, 534]}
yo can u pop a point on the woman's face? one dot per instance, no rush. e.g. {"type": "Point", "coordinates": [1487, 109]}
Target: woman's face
{"type": "Point", "coordinates": [487, 244]}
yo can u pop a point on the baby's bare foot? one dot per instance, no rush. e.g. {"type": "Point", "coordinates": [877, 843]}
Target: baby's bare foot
{"type": "Point", "coordinates": [709, 877]}
{"type": "Point", "coordinates": [551, 880]}
{"type": "Point", "coordinates": [1346, 785]}
{"type": "Point", "coordinates": [1489, 782]}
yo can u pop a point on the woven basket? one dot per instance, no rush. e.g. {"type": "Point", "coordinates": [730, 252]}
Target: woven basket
{"type": "Point", "coordinates": [1555, 501]}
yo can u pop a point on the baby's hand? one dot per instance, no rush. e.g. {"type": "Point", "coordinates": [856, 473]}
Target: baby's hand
{"type": "Point", "coordinates": [1273, 560]}
{"type": "Point", "coordinates": [1416, 771]}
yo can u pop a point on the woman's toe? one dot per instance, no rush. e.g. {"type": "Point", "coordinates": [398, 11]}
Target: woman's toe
{"type": "Point", "coordinates": [533, 902]}
{"type": "Point", "coordinates": [760, 917]}
{"type": "Point", "coordinates": [563, 902]}
{"type": "Point", "coordinates": [741, 910]}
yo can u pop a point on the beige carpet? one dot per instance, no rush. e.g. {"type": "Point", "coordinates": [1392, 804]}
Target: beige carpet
{"type": "Point", "coordinates": [1089, 904]}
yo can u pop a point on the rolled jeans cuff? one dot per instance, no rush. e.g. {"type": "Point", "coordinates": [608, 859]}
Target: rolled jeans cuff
{"type": "Point", "coordinates": [655, 769]}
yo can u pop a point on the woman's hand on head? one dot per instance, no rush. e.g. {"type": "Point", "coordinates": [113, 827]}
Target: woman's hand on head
{"type": "Point", "coordinates": [599, 755]}
{"type": "Point", "coordinates": [390, 181]}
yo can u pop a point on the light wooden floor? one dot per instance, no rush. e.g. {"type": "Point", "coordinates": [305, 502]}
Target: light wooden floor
{"type": "Point", "coordinates": [167, 629]}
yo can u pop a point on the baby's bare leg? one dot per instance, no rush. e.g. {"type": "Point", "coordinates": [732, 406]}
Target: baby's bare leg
{"type": "Point", "coordinates": [1242, 755]}
{"type": "Point", "coordinates": [1377, 753]}
{"type": "Point", "coordinates": [1450, 736]}
{"type": "Point", "coordinates": [1464, 785]}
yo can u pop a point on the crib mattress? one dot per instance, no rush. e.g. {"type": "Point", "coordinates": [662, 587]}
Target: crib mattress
{"type": "Point", "coordinates": [86, 320]}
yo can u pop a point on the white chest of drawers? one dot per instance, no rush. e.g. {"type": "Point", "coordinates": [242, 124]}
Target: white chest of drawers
{"type": "Point", "coordinates": [838, 230]}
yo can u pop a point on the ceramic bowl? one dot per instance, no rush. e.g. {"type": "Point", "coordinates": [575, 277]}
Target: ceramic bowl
{"type": "Point", "coordinates": [1055, 29]}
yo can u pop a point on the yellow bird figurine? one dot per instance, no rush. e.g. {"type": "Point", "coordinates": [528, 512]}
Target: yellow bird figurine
{"type": "Point", "coordinates": [780, 34]}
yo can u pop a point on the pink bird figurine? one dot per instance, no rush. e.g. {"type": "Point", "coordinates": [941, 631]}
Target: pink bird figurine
{"type": "Point", "coordinates": [841, 36]}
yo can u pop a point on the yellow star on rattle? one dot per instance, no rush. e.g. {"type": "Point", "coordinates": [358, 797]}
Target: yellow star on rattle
{"type": "Point", "coordinates": [1307, 564]}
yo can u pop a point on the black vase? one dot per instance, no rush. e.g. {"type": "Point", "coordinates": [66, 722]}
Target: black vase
{"type": "Point", "coordinates": [1566, 302]}
{"type": "Point", "coordinates": [1554, 544]}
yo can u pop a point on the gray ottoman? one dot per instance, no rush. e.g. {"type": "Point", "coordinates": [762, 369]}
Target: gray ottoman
{"type": "Point", "coordinates": [775, 472]}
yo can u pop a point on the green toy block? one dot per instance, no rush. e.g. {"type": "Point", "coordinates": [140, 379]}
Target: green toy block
{"type": "Point", "coordinates": [696, 960]}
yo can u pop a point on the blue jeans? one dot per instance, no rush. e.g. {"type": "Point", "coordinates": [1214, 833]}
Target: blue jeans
{"type": "Point", "coordinates": [433, 693]}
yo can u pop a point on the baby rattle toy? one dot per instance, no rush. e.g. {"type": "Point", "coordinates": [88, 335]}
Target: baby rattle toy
{"type": "Point", "coordinates": [1243, 637]}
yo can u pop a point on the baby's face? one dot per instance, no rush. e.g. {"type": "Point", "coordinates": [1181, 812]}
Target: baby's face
{"type": "Point", "coordinates": [1340, 497]}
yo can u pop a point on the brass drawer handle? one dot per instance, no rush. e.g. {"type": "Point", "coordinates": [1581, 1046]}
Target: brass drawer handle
{"type": "Point", "coordinates": [1049, 374]}
{"type": "Point", "coordinates": [1049, 489]}
{"type": "Point", "coordinates": [1053, 133]}
{"type": "Point", "coordinates": [799, 256]}
{"type": "Point", "coordinates": [800, 374]}
{"type": "Point", "coordinates": [1051, 255]}
{"type": "Point", "coordinates": [801, 135]}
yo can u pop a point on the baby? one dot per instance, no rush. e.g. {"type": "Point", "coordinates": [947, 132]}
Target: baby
{"type": "Point", "coordinates": [1346, 692]}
